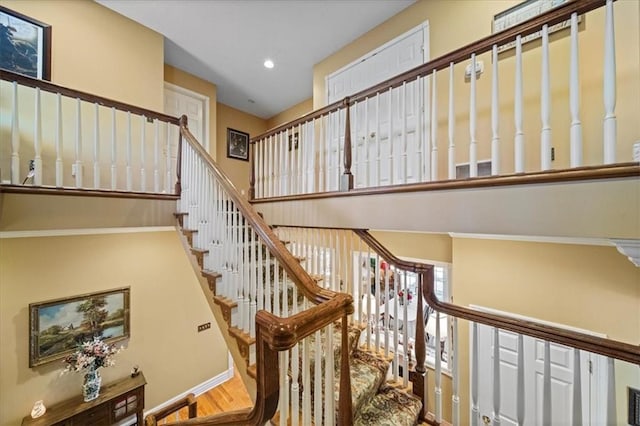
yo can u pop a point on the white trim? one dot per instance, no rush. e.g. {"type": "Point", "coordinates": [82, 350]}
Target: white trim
{"type": "Point", "coordinates": [198, 390]}
{"type": "Point", "coordinates": [424, 27]}
{"type": "Point", "coordinates": [534, 239]}
{"type": "Point", "coordinates": [83, 231]}
{"type": "Point", "coordinates": [205, 103]}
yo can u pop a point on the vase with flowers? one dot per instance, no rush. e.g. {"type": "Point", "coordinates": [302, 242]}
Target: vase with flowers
{"type": "Point", "coordinates": [409, 296]}
{"type": "Point", "coordinates": [88, 358]}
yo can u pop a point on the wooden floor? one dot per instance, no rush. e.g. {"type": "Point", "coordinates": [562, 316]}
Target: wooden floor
{"type": "Point", "coordinates": [229, 396]}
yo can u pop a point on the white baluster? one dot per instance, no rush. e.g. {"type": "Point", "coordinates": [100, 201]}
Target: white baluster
{"type": "Point", "coordinates": [546, 385]}
{"type": "Point", "coordinates": [545, 103]}
{"type": "Point", "coordinates": [15, 138]}
{"type": "Point", "coordinates": [390, 141]}
{"type": "Point", "coordinates": [517, 109]}
{"type": "Point", "coordinates": [78, 162]}
{"type": "Point", "coordinates": [495, 112]}
{"type": "Point", "coordinates": [576, 417]}
{"type": "Point", "coordinates": [473, 144]}
{"type": "Point", "coordinates": [574, 97]}
{"type": "Point", "coordinates": [475, 410]}
{"type": "Point", "coordinates": [403, 108]}
{"type": "Point", "coordinates": [114, 169]}
{"type": "Point", "coordinates": [37, 140]}
{"type": "Point", "coordinates": [434, 128]}
{"type": "Point", "coordinates": [612, 418]}
{"type": "Point", "coordinates": [422, 134]}
{"type": "Point", "coordinates": [378, 141]}
{"type": "Point", "coordinates": [317, 381]}
{"type": "Point", "coordinates": [496, 376]}
{"type": "Point", "coordinates": [365, 145]}
{"type": "Point", "coordinates": [322, 156]}
{"type": "Point", "coordinates": [96, 146]}
{"type": "Point", "coordinates": [329, 376]}
{"type": "Point", "coordinates": [455, 373]}
{"type": "Point", "coordinates": [520, 407]}
{"type": "Point", "coordinates": [452, 125]}
{"type": "Point", "coordinates": [167, 181]}
{"type": "Point", "coordinates": [58, 142]}
{"type": "Point", "coordinates": [156, 155]}
{"type": "Point", "coordinates": [610, 125]}
{"type": "Point", "coordinates": [438, 365]}
{"type": "Point", "coordinates": [143, 142]}
{"type": "Point", "coordinates": [306, 380]}
{"type": "Point", "coordinates": [129, 172]}
{"type": "Point", "coordinates": [284, 388]}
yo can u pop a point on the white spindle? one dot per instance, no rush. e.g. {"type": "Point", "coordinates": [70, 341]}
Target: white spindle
{"type": "Point", "coordinates": [495, 112]}
{"type": "Point", "coordinates": [517, 110]}
{"type": "Point", "coordinates": [576, 417]}
{"type": "Point", "coordinates": [365, 145]}
{"type": "Point", "coordinates": [329, 376]}
{"type": "Point", "coordinates": [114, 169]}
{"type": "Point", "coordinates": [317, 381]}
{"type": "Point", "coordinates": [58, 142]}
{"type": "Point", "coordinates": [167, 158]}
{"type": "Point", "coordinates": [610, 126]}
{"type": "Point", "coordinates": [378, 141]}
{"type": "Point", "coordinates": [438, 378]}
{"type": "Point", "coordinates": [475, 410]}
{"type": "Point", "coordinates": [473, 144]}
{"type": "Point", "coordinates": [612, 418]}
{"type": "Point", "coordinates": [96, 146]}
{"type": "Point", "coordinates": [390, 140]}
{"type": "Point", "coordinates": [78, 162]}
{"type": "Point", "coordinates": [15, 138]}
{"type": "Point", "coordinates": [574, 97]}
{"type": "Point", "coordinates": [156, 155]}
{"type": "Point", "coordinates": [546, 385]}
{"type": "Point", "coordinates": [306, 381]}
{"type": "Point", "coordinates": [545, 103]}
{"type": "Point", "coordinates": [452, 125]}
{"type": "Point", "coordinates": [143, 142]}
{"type": "Point", "coordinates": [520, 397]}
{"type": "Point", "coordinates": [129, 172]}
{"type": "Point", "coordinates": [403, 112]}
{"type": "Point", "coordinates": [455, 373]}
{"type": "Point", "coordinates": [434, 128]}
{"type": "Point", "coordinates": [496, 376]}
{"type": "Point", "coordinates": [37, 140]}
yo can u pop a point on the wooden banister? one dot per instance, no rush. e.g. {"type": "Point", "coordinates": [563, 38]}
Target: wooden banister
{"type": "Point", "coordinates": [190, 401]}
{"type": "Point", "coordinates": [84, 96]}
{"type": "Point", "coordinates": [551, 17]}
{"type": "Point", "coordinates": [611, 348]}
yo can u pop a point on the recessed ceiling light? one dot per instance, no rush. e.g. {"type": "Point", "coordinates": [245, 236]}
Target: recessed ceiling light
{"type": "Point", "coordinates": [268, 64]}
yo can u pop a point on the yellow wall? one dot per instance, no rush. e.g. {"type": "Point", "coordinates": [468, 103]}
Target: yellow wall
{"type": "Point", "coordinates": [228, 117]}
{"type": "Point", "coordinates": [188, 81]}
{"type": "Point", "coordinates": [436, 247]}
{"type": "Point", "coordinates": [166, 306]}
{"type": "Point", "coordinates": [99, 51]}
{"type": "Point", "coordinates": [453, 24]}
{"type": "Point", "coordinates": [291, 114]}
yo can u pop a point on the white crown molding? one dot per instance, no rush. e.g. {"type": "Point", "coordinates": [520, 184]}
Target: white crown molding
{"type": "Point", "coordinates": [198, 390]}
{"type": "Point", "coordinates": [630, 249]}
{"type": "Point", "coordinates": [83, 231]}
{"type": "Point", "coordinates": [535, 239]}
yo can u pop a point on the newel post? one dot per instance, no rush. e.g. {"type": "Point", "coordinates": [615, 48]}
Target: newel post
{"type": "Point", "coordinates": [252, 173]}
{"type": "Point", "coordinates": [419, 376]}
{"type": "Point", "coordinates": [345, 405]}
{"type": "Point", "coordinates": [346, 180]}
{"type": "Point", "coordinates": [183, 123]}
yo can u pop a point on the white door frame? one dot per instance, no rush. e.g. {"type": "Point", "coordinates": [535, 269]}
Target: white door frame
{"type": "Point", "coordinates": [424, 27]}
{"type": "Point", "coordinates": [598, 382]}
{"type": "Point", "coordinates": [205, 103]}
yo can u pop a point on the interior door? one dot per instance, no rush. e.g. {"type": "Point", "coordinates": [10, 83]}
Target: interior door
{"type": "Point", "coordinates": [379, 148]}
{"type": "Point", "coordinates": [179, 101]}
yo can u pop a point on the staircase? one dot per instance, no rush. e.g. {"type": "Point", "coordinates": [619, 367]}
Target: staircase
{"type": "Point", "coordinates": [377, 399]}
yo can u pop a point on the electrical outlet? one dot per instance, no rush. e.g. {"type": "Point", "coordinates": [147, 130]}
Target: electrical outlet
{"type": "Point", "coordinates": [203, 327]}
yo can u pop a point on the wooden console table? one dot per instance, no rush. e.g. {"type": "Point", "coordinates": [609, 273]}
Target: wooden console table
{"type": "Point", "coordinates": [117, 401]}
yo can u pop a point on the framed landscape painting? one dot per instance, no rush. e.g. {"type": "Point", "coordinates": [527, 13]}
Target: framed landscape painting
{"type": "Point", "coordinates": [58, 326]}
{"type": "Point", "coordinates": [25, 45]}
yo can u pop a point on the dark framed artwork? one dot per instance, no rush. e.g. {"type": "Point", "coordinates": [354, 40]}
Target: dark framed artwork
{"type": "Point", "coordinates": [237, 144]}
{"type": "Point", "coordinates": [25, 45]}
{"type": "Point", "coordinates": [57, 327]}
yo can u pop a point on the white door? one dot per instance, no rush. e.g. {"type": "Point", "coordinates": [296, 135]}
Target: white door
{"type": "Point", "coordinates": [376, 160]}
{"type": "Point", "coordinates": [562, 369]}
{"type": "Point", "coordinates": [179, 101]}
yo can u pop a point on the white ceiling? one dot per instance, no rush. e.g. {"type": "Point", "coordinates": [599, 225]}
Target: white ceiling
{"type": "Point", "coordinates": [227, 41]}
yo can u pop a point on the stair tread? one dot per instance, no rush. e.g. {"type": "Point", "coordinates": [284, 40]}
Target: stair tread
{"type": "Point", "coordinates": [389, 407]}
{"type": "Point", "coordinates": [368, 371]}
{"type": "Point", "coordinates": [240, 334]}
{"type": "Point", "coordinates": [210, 273]}
{"type": "Point", "coordinates": [224, 301]}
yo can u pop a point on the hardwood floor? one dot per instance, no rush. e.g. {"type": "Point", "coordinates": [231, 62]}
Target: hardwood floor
{"type": "Point", "coordinates": [229, 396]}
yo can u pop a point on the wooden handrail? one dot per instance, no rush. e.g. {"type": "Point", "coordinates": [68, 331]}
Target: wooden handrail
{"type": "Point", "coordinates": [551, 17]}
{"type": "Point", "coordinates": [88, 97]}
{"type": "Point", "coordinates": [188, 401]}
{"type": "Point", "coordinates": [607, 347]}
{"type": "Point", "coordinates": [298, 275]}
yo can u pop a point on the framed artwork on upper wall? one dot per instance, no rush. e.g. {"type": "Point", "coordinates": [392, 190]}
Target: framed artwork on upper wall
{"type": "Point", "coordinates": [237, 144]}
{"type": "Point", "coordinates": [25, 45]}
{"type": "Point", "coordinates": [58, 327]}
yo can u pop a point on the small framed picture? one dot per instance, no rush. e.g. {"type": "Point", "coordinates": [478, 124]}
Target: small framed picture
{"type": "Point", "coordinates": [237, 144]}
{"type": "Point", "coordinates": [25, 45]}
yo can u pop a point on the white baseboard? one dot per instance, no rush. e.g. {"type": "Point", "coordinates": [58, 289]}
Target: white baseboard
{"type": "Point", "coordinates": [198, 390]}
